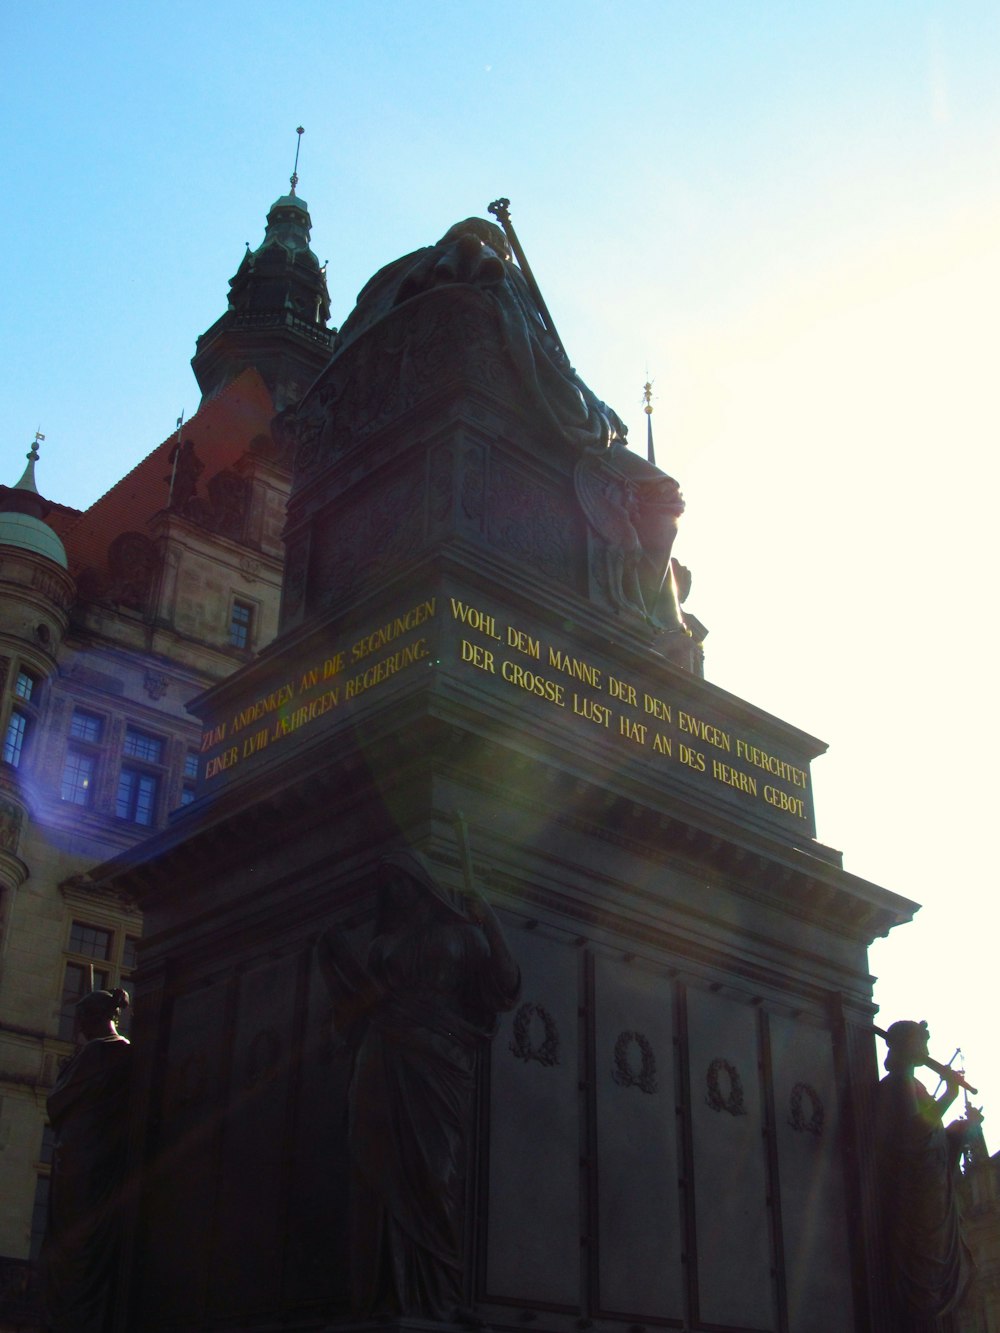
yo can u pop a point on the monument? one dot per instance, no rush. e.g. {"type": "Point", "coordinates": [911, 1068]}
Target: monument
{"type": "Point", "coordinates": [496, 962]}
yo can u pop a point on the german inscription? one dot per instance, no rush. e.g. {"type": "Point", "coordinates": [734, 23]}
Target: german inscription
{"type": "Point", "coordinates": [320, 687]}
{"type": "Point", "coordinates": [627, 711]}
{"type": "Point", "coordinates": [655, 723]}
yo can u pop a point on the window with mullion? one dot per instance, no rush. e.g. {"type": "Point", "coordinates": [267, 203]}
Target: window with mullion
{"type": "Point", "coordinates": [136, 798]}
{"type": "Point", "coordinates": [78, 777]}
{"type": "Point", "coordinates": [24, 685]}
{"type": "Point", "coordinates": [91, 941]}
{"type": "Point", "coordinates": [86, 726]}
{"type": "Point", "coordinates": [13, 744]}
{"type": "Point", "coordinates": [140, 745]}
{"type": "Point", "coordinates": [240, 624]}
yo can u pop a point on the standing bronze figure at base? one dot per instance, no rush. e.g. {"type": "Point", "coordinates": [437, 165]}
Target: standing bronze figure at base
{"type": "Point", "coordinates": [929, 1262]}
{"type": "Point", "coordinates": [87, 1110]}
{"type": "Point", "coordinates": [438, 973]}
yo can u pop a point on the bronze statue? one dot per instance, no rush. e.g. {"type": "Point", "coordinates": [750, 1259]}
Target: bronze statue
{"type": "Point", "coordinates": [475, 252]}
{"type": "Point", "coordinates": [928, 1261]}
{"type": "Point", "coordinates": [634, 508]}
{"type": "Point", "coordinates": [87, 1109]}
{"type": "Point", "coordinates": [438, 973]}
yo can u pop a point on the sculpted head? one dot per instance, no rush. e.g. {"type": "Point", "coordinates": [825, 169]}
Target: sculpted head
{"type": "Point", "coordinates": [907, 1042]}
{"type": "Point", "coordinates": [488, 233]}
{"type": "Point", "coordinates": [97, 1013]}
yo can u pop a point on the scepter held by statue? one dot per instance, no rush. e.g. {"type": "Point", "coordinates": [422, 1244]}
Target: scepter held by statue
{"type": "Point", "coordinates": [943, 1071]}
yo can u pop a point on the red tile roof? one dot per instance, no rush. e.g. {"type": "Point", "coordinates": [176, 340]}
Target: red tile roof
{"type": "Point", "coordinates": [222, 431]}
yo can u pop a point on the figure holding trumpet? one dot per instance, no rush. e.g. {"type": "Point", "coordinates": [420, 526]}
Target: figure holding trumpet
{"type": "Point", "coordinates": [929, 1262]}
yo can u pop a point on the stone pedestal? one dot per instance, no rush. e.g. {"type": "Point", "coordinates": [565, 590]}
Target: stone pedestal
{"type": "Point", "coordinates": [671, 1124]}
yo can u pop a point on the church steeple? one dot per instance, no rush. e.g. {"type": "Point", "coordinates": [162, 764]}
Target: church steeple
{"type": "Point", "coordinates": [278, 311]}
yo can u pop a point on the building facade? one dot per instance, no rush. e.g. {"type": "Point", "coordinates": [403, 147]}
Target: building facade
{"type": "Point", "coordinates": [111, 619]}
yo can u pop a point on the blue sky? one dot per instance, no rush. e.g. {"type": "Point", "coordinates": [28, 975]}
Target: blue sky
{"type": "Point", "coordinates": [788, 212]}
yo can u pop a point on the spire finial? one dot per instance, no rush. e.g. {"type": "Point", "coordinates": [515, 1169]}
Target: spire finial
{"type": "Point", "coordinates": [647, 399]}
{"type": "Point", "coordinates": [294, 178]}
{"type": "Point", "coordinates": [27, 482]}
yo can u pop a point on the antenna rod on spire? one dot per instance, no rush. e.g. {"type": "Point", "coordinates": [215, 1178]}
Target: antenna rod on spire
{"type": "Point", "coordinates": [500, 208]}
{"type": "Point", "coordinates": [647, 398]}
{"type": "Point", "coordinates": [294, 178]}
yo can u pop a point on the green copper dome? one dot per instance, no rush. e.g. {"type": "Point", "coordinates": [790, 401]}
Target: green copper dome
{"type": "Point", "coordinates": [27, 533]}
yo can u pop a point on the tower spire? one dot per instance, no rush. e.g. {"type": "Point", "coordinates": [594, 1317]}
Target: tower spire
{"type": "Point", "coordinates": [27, 482]}
{"type": "Point", "coordinates": [294, 177]}
{"type": "Point", "coordinates": [647, 398]}
{"type": "Point", "coordinates": [277, 311]}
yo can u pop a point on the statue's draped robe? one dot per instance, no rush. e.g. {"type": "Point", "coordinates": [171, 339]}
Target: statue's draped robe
{"type": "Point", "coordinates": [411, 1114]}
{"type": "Point", "coordinates": [928, 1260]}
{"type": "Point", "coordinates": [87, 1112]}
{"type": "Point", "coordinates": [553, 387]}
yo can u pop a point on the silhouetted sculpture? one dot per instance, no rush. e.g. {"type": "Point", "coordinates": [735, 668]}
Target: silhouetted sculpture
{"type": "Point", "coordinates": [438, 973]}
{"type": "Point", "coordinates": [186, 468]}
{"type": "Point", "coordinates": [476, 252]}
{"type": "Point", "coordinates": [87, 1112]}
{"type": "Point", "coordinates": [634, 508]}
{"type": "Point", "coordinates": [929, 1263]}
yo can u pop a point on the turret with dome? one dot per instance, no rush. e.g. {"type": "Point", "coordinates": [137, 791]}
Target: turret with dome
{"type": "Point", "coordinates": [278, 313]}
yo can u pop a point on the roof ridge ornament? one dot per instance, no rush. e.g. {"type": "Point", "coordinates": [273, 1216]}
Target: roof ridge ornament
{"type": "Point", "coordinates": [293, 180]}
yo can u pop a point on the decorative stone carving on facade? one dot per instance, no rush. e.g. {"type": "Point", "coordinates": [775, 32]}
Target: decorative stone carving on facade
{"type": "Point", "coordinates": [228, 501]}
{"type": "Point", "coordinates": [624, 1074]}
{"type": "Point", "coordinates": [474, 485]}
{"type": "Point", "coordinates": [53, 588]}
{"type": "Point", "coordinates": [731, 1099]}
{"type": "Point", "coordinates": [132, 564]}
{"type": "Point", "coordinates": [295, 576]}
{"type": "Point", "coordinates": [440, 484]}
{"type": "Point", "coordinates": [249, 568]}
{"type": "Point", "coordinates": [369, 539]}
{"type": "Point", "coordinates": [632, 509]}
{"type": "Point", "coordinates": [299, 429]}
{"type": "Point", "coordinates": [797, 1118]}
{"type": "Point", "coordinates": [546, 1052]}
{"type": "Point", "coordinates": [155, 684]}
{"type": "Point", "coordinates": [11, 819]}
{"type": "Point", "coordinates": [530, 523]}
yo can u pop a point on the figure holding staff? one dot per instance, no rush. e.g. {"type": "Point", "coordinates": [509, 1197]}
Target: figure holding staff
{"type": "Point", "coordinates": [437, 974]}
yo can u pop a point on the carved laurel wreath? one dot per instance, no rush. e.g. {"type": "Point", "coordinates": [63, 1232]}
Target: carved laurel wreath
{"type": "Point", "coordinates": [547, 1053]}
{"type": "Point", "coordinates": [623, 1073]}
{"type": "Point", "coordinates": [796, 1117]}
{"type": "Point", "coordinates": [733, 1103]}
